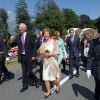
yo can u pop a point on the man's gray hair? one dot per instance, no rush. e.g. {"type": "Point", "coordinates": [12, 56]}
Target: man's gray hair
{"type": "Point", "coordinates": [23, 24]}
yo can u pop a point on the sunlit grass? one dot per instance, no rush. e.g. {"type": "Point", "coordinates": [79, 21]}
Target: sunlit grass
{"type": "Point", "coordinates": [12, 63]}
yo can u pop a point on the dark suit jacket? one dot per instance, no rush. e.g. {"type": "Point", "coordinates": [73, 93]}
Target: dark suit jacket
{"type": "Point", "coordinates": [37, 45]}
{"type": "Point", "coordinates": [75, 47]}
{"type": "Point", "coordinates": [3, 49]}
{"type": "Point", "coordinates": [93, 60]}
{"type": "Point", "coordinates": [29, 47]}
{"type": "Point", "coordinates": [82, 47]}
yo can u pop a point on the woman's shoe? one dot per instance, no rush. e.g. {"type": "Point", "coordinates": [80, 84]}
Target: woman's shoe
{"type": "Point", "coordinates": [46, 95]}
{"type": "Point", "coordinates": [58, 88]}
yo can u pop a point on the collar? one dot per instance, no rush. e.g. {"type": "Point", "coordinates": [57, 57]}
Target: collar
{"type": "Point", "coordinates": [24, 34]}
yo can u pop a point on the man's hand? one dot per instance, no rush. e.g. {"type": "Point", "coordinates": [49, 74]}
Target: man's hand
{"type": "Point", "coordinates": [7, 59]}
{"type": "Point", "coordinates": [33, 58]}
{"type": "Point", "coordinates": [79, 54]}
{"type": "Point", "coordinates": [88, 73]}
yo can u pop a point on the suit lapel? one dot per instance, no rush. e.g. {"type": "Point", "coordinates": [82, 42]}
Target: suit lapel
{"type": "Point", "coordinates": [20, 42]}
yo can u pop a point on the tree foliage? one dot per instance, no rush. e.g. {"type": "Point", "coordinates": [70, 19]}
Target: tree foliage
{"type": "Point", "coordinates": [70, 18]}
{"type": "Point", "coordinates": [97, 23]}
{"type": "Point", "coordinates": [22, 15]}
{"type": "Point", "coordinates": [48, 15]}
{"type": "Point", "coordinates": [3, 22]}
{"type": "Point", "coordinates": [85, 21]}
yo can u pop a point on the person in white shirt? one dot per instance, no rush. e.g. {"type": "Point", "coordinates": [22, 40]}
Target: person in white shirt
{"type": "Point", "coordinates": [86, 49]}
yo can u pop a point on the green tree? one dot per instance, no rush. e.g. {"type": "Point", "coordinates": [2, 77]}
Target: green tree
{"type": "Point", "coordinates": [97, 23]}
{"type": "Point", "coordinates": [48, 15]}
{"type": "Point", "coordinates": [3, 22]}
{"type": "Point", "coordinates": [70, 18]}
{"type": "Point", "coordinates": [85, 21]}
{"type": "Point", "coordinates": [22, 15]}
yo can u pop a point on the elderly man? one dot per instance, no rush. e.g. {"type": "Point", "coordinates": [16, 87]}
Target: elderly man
{"type": "Point", "coordinates": [93, 64]}
{"type": "Point", "coordinates": [25, 53]}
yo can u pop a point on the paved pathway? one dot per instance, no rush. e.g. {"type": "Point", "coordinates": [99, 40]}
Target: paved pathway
{"type": "Point", "coordinates": [74, 89]}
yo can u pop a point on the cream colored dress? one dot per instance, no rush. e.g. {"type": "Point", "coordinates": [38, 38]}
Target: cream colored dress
{"type": "Point", "coordinates": [51, 69]}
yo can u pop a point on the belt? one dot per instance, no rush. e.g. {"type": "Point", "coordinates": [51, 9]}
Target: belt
{"type": "Point", "coordinates": [23, 54]}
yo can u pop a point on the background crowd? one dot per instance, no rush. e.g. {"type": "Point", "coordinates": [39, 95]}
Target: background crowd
{"type": "Point", "coordinates": [50, 52]}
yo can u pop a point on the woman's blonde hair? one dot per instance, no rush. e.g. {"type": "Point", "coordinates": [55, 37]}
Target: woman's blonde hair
{"type": "Point", "coordinates": [46, 30]}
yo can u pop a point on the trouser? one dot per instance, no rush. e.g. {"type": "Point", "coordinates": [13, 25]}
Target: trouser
{"type": "Point", "coordinates": [64, 64]}
{"type": "Point", "coordinates": [73, 63]}
{"type": "Point", "coordinates": [3, 68]}
{"type": "Point", "coordinates": [97, 88]}
{"type": "Point", "coordinates": [35, 63]}
{"type": "Point", "coordinates": [85, 62]}
{"type": "Point", "coordinates": [26, 70]}
{"type": "Point", "coordinates": [41, 69]}
{"type": "Point", "coordinates": [0, 71]}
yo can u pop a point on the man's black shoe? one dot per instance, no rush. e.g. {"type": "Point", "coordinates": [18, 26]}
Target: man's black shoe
{"type": "Point", "coordinates": [64, 71]}
{"type": "Point", "coordinates": [97, 97]}
{"type": "Point", "coordinates": [77, 75]}
{"type": "Point", "coordinates": [37, 85]}
{"type": "Point", "coordinates": [23, 89]}
{"type": "Point", "coordinates": [0, 80]}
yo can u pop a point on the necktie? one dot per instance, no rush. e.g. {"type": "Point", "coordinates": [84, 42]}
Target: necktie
{"type": "Point", "coordinates": [72, 39]}
{"type": "Point", "coordinates": [22, 39]}
{"type": "Point", "coordinates": [23, 42]}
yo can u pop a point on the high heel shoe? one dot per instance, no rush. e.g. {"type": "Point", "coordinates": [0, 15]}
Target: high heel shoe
{"type": "Point", "coordinates": [47, 95]}
{"type": "Point", "coordinates": [58, 88]}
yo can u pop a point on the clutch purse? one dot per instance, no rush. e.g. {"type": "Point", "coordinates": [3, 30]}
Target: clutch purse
{"type": "Point", "coordinates": [47, 51]}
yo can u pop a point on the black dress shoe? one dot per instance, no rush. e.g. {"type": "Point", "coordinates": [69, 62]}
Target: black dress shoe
{"type": "Point", "coordinates": [64, 71]}
{"type": "Point", "coordinates": [23, 89]}
{"type": "Point", "coordinates": [77, 75]}
{"type": "Point", "coordinates": [0, 79]}
{"type": "Point", "coordinates": [37, 85]}
{"type": "Point", "coordinates": [97, 97]}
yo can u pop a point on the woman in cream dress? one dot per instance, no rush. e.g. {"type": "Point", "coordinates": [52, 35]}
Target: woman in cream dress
{"type": "Point", "coordinates": [51, 71]}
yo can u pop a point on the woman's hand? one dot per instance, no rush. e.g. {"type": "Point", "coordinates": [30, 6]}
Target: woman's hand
{"type": "Point", "coordinates": [47, 55]}
{"type": "Point", "coordinates": [66, 56]}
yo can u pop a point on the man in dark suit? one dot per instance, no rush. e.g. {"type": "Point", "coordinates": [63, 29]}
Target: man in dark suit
{"type": "Point", "coordinates": [36, 62]}
{"type": "Point", "coordinates": [38, 42]}
{"type": "Point", "coordinates": [93, 64]}
{"type": "Point", "coordinates": [74, 47]}
{"type": "Point", "coordinates": [25, 53]}
{"type": "Point", "coordinates": [3, 55]}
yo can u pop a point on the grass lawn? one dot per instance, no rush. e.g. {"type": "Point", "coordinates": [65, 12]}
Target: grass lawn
{"type": "Point", "coordinates": [12, 63]}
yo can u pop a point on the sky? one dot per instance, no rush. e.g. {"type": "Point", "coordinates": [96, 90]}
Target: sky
{"type": "Point", "coordinates": [89, 7]}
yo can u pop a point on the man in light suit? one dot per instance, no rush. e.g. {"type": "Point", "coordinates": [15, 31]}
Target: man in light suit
{"type": "Point", "coordinates": [25, 53]}
{"type": "Point", "coordinates": [74, 47]}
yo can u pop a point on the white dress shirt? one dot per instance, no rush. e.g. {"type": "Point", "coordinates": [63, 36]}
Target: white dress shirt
{"type": "Point", "coordinates": [86, 50]}
{"type": "Point", "coordinates": [23, 41]}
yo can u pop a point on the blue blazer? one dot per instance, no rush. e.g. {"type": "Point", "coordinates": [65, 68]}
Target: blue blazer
{"type": "Point", "coordinates": [74, 47]}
